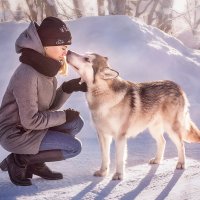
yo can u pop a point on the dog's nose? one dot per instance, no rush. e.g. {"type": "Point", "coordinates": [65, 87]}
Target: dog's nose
{"type": "Point", "coordinates": [68, 52]}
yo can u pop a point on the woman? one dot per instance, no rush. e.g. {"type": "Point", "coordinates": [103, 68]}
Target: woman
{"type": "Point", "coordinates": [31, 127]}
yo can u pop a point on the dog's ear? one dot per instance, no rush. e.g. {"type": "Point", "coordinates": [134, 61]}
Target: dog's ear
{"type": "Point", "coordinates": [107, 73]}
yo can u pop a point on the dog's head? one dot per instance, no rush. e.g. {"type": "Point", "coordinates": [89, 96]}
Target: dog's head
{"type": "Point", "coordinates": [91, 67]}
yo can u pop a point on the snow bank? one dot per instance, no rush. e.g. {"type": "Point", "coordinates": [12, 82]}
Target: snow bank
{"type": "Point", "coordinates": [140, 53]}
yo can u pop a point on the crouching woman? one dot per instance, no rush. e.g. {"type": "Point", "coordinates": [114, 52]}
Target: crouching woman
{"type": "Point", "coordinates": [31, 126]}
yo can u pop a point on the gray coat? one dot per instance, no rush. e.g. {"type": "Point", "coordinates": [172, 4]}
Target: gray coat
{"type": "Point", "coordinates": [30, 101]}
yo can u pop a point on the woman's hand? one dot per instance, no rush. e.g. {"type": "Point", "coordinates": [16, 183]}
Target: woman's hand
{"type": "Point", "coordinates": [74, 86]}
{"type": "Point", "coordinates": [71, 114]}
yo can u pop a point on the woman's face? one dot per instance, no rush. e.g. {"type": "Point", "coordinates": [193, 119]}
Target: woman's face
{"type": "Point", "coordinates": [56, 52]}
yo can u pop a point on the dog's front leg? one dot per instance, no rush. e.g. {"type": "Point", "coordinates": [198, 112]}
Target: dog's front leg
{"type": "Point", "coordinates": [105, 141]}
{"type": "Point", "coordinates": [121, 154]}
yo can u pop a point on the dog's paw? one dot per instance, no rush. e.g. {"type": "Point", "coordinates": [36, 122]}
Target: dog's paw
{"type": "Point", "coordinates": [118, 176]}
{"type": "Point", "coordinates": [180, 165]}
{"type": "Point", "coordinates": [154, 161]}
{"type": "Point", "coordinates": [101, 173]}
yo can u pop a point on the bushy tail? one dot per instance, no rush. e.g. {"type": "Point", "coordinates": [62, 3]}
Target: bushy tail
{"type": "Point", "coordinates": [193, 134]}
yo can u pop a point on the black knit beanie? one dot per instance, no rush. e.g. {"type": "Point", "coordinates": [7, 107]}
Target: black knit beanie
{"type": "Point", "coordinates": [54, 32]}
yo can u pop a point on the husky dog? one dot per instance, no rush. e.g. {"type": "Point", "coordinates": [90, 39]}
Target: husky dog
{"type": "Point", "coordinates": [121, 109]}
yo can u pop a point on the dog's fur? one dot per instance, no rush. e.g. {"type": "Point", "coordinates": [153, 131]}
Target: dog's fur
{"type": "Point", "coordinates": [121, 109]}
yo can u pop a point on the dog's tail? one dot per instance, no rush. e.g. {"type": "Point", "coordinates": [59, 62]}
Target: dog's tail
{"type": "Point", "coordinates": [193, 134]}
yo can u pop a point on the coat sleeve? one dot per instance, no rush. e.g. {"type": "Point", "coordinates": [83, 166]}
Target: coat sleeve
{"type": "Point", "coordinates": [60, 98]}
{"type": "Point", "coordinates": [25, 92]}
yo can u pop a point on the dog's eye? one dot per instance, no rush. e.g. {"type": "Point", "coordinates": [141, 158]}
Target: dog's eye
{"type": "Point", "coordinates": [87, 59]}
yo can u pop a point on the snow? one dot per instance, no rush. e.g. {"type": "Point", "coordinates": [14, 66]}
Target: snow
{"type": "Point", "coordinates": [190, 40]}
{"type": "Point", "coordinates": [140, 53]}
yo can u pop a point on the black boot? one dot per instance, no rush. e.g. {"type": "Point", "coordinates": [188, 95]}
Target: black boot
{"type": "Point", "coordinates": [17, 171]}
{"type": "Point", "coordinates": [36, 164]}
{"type": "Point", "coordinates": [39, 169]}
{"type": "Point", "coordinates": [28, 160]}
{"type": "Point", "coordinates": [42, 170]}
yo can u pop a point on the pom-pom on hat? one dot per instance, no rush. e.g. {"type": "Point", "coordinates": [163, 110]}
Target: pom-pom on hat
{"type": "Point", "coordinates": [54, 32]}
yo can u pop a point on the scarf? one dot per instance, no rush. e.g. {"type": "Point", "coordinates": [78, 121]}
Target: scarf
{"type": "Point", "coordinates": [42, 64]}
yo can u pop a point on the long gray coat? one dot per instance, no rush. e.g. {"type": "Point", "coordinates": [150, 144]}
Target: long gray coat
{"type": "Point", "coordinates": [30, 101]}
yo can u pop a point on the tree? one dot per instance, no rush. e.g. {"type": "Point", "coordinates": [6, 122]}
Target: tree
{"type": "Point", "coordinates": [154, 12]}
{"type": "Point", "coordinates": [19, 13]}
{"type": "Point", "coordinates": [120, 7]}
{"type": "Point", "coordinates": [101, 7]}
{"type": "Point", "coordinates": [164, 15]}
{"type": "Point", "coordinates": [192, 15]}
{"type": "Point", "coordinates": [50, 8]}
{"type": "Point", "coordinates": [78, 8]}
{"type": "Point", "coordinates": [117, 7]}
{"type": "Point", "coordinates": [141, 7]}
{"type": "Point", "coordinates": [40, 9]}
{"type": "Point", "coordinates": [7, 14]}
{"type": "Point", "coordinates": [32, 9]}
{"type": "Point", "coordinates": [64, 10]}
{"type": "Point", "coordinates": [150, 18]}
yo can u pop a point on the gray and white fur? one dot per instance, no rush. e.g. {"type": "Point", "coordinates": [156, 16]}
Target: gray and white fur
{"type": "Point", "coordinates": [121, 109]}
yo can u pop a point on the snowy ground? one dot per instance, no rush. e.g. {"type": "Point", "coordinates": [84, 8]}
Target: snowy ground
{"type": "Point", "coordinates": [140, 53]}
{"type": "Point", "coordinates": [142, 181]}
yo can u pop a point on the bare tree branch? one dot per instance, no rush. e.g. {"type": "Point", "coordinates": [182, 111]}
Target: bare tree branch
{"type": "Point", "coordinates": [137, 14]}
{"type": "Point", "coordinates": [32, 8]}
{"type": "Point", "coordinates": [150, 16]}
